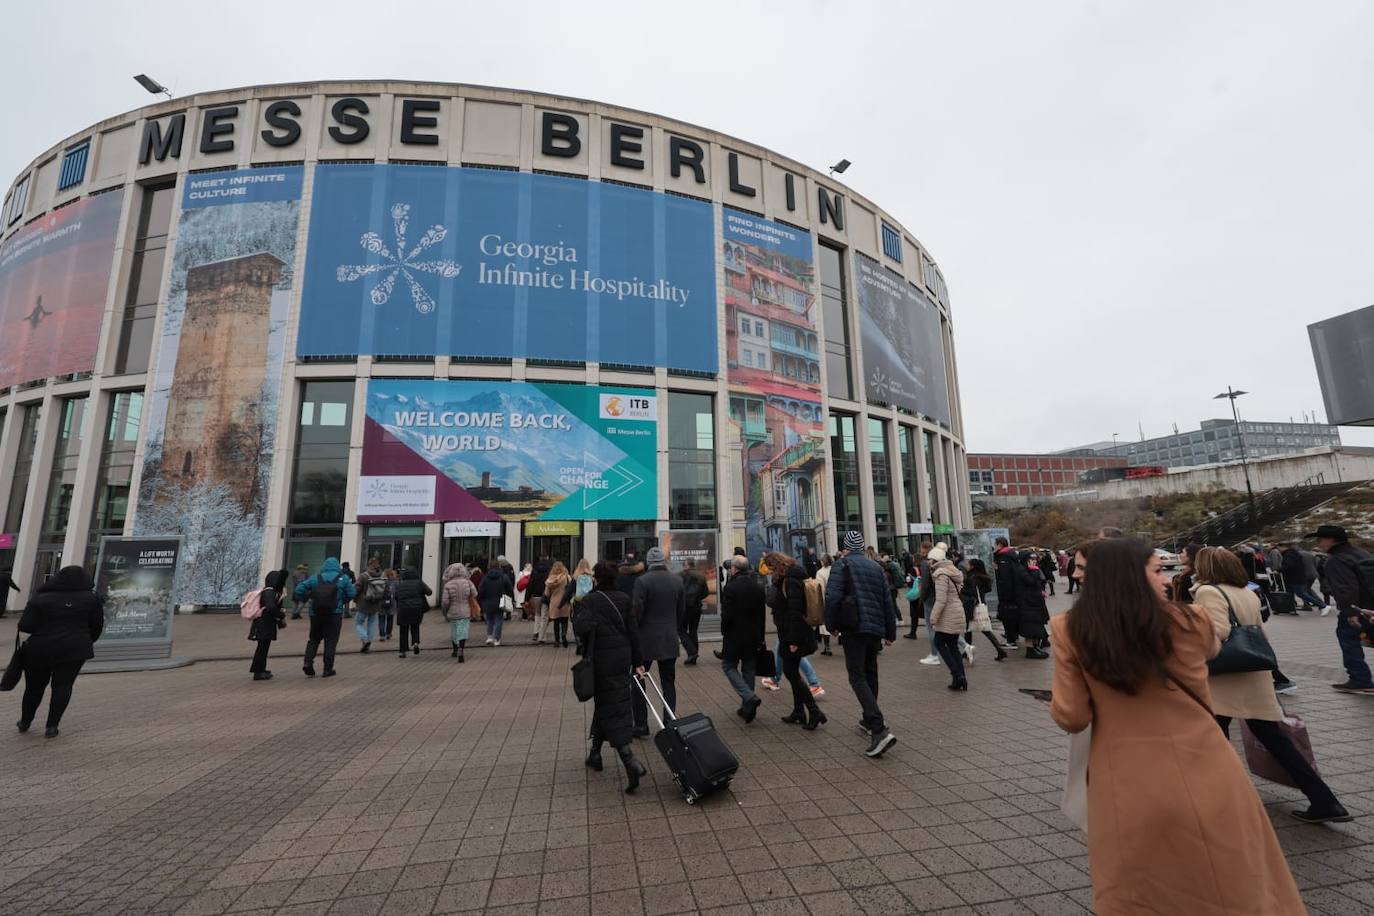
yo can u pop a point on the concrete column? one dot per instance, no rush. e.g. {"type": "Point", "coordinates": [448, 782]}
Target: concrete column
{"type": "Point", "coordinates": [26, 545]}
{"type": "Point", "coordinates": [512, 548]}
{"type": "Point", "coordinates": [897, 479]}
{"type": "Point", "coordinates": [591, 538]}
{"type": "Point", "coordinates": [351, 548]}
{"type": "Point", "coordinates": [870, 526]}
{"type": "Point", "coordinates": [432, 565]}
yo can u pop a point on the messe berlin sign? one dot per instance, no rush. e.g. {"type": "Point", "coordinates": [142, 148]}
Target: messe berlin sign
{"type": "Point", "coordinates": [482, 451]}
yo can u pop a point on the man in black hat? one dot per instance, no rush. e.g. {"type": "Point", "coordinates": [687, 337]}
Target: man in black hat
{"type": "Point", "coordinates": [1349, 579]}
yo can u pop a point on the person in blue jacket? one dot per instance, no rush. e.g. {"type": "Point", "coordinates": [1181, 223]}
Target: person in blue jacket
{"type": "Point", "coordinates": [328, 593]}
{"type": "Point", "coordinates": [860, 610]}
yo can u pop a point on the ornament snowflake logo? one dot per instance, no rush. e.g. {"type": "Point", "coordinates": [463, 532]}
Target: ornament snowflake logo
{"type": "Point", "coordinates": [401, 262]}
{"type": "Point", "coordinates": [881, 384]}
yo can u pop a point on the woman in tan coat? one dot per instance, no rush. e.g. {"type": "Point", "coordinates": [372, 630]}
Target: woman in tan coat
{"type": "Point", "coordinates": [947, 615]}
{"type": "Point", "coordinates": [1174, 825]}
{"type": "Point", "coordinates": [558, 596]}
{"type": "Point", "coordinates": [1219, 583]}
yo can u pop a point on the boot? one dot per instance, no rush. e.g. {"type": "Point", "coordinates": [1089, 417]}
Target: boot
{"type": "Point", "coordinates": [454, 653]}
{"type": "Point", "coordinates": [462, 644]}
{"type": "Point", "coordinates": [1034, 651]}
{"type": "Point", "coordinates": [958, 683]}
{"type": "Point", "coordinates": [814, 717]}
{"type": "Point", "coordinates": [367, 646]}
{"type": "Point", "coordinates": [634, 770]}
{"type": "Point", "coordinates": [594, 757]}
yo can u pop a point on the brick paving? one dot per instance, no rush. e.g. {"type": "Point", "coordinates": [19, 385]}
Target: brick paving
{"type": "Point", "coordinates": [425, 786]}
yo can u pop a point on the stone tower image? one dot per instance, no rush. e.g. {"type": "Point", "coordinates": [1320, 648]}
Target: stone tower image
{"type": "Point", "coordinates": [214, 427]}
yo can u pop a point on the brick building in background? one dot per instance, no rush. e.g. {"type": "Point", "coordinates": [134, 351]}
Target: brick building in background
{"type": "Point", "coordinates": [1031, 475]}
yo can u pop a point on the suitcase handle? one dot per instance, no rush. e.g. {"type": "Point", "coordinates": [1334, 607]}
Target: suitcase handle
{"type": "Point", "coordinates": [649, 702]}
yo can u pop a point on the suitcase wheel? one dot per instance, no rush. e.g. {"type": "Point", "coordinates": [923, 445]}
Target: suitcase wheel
{"type": "Point", "coordinates": [691, 799]}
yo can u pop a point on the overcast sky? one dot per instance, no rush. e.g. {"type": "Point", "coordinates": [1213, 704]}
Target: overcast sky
{"type": "Point", "coordinates": [1134, 204]}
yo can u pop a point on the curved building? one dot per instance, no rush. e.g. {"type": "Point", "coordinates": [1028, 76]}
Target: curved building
{"type": "Point", "coordinates": [425, 322]}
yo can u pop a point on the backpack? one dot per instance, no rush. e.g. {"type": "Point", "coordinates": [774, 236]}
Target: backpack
{"type": "Point", "coordinates": [815, 602]}
{"type": "Point", "coordinates": [376, 590]}
{"type": "Point", "coordinates": [250, 608]}
{"type": "Point", "coordinates": [324, 597]}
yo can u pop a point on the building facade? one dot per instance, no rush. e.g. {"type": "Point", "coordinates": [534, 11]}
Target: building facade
{"type": "Point", "coordinates": [1219, 441]}
{"type": "Point", "coordinates": [426, 322]}
{"type": "Point", "coordinates": [1032, 475]}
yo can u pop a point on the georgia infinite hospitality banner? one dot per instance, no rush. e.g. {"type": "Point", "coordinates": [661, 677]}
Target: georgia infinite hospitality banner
{"type": "Point", "coordinates": [904, 354]}
{"type": "Point", "coordinates": [54, 276]}
{"type": "Point", "coordinates": [438, 261]}
{"type": "Point", "coordinates": [490, 451]}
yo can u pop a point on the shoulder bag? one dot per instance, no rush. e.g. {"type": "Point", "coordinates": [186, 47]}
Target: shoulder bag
{"type": "Point", "coordinates": [584, 671]}
{"type": "Point", "coordinates": [1244, 649]}
{"type": "Point", "coordinates": [982, 620]}
{"type": "Point", "coordinates": [15, 669]}
{"type": "Point", "coordinates": [847, 619]}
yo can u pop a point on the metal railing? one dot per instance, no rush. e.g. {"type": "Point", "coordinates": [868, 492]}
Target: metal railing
{"type": "Point", "coordinates": [1236, 520]}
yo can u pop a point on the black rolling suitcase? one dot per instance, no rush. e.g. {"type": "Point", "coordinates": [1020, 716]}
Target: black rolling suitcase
{"type": "Point", "coordinates": [1282, 603]}
{"type": "Point", "coordinates": [701, 763]}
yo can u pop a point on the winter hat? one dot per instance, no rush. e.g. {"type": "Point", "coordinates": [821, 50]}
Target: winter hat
{"type": "Point", "coordinates": [655, 558]}
{"type": "Point", "coordinates": [936, 554]}
{"type": "Point", "coordinates": [941, 545]}
{"type": "Point", "coordinates": [853, 540]}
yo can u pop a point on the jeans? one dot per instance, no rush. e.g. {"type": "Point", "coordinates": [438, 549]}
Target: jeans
{"type": "Point", "coordinates": [36, 680]}
{"type": "Point", "coordinates": [1290, 758]}
{"type": "Point", "coordinates": [366, 625]}
{"type": "Point", "coordinates": [861, 662]}
{"type": "Point", "coordinates": [386, 621]}
{"type": "Point", "coordinates": [540, 607]}
{"type": "Point", "coordinates": [1304, 591]}
{"type": "Point", "coordinates": [410, 634]}
{"type": "Point", "coordinates": [930, 629]}
{"type": "Point", "coordinates": [259, 662]}
{"type": "Point", "coordinates": [323, 627]}
{"type": "Point", "coordinates": [667, 680]}
{"type": "Point", "coordinates": [807, 669]}
{"type": "Point", "coordinates": [495, 620]}
{"type": "Point", "coordinates": [740, 673]}
{"type": "Point", "coordinates": [1352, 652]}
{"type": "Point", "coordinates": [947, 644]}
{"type": "Point", "coordinates": [802, 700]}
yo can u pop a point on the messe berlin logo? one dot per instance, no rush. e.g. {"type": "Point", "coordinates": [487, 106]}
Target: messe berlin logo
{"type": "Point", "coordinates": [401, 262]}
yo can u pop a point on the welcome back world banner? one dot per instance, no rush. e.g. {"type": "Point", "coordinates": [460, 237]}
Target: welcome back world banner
{"type": "Point", "coordinates": [488, 451]}
{"type": "Point", "coordinates": [437, 261]}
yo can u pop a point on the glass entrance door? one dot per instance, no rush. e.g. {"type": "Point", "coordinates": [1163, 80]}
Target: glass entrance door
{"type": "Point", "coordinates": [617, 539]}
{"type": "Point", "coordinates": [467, 550]}
{"type": "Point", "coordinates": [395, 546]}
{"type": "Point", "coordinates": [49, 562]}
{"type": "Point", "coordinates": [564, 547]}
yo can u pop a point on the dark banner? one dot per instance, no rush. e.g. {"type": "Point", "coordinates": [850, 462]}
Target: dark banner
{"type": "Point", "coordinates": [694, 549]}
{"type": "Point", "coordinates": [136, 579]}
{"type": "Point", "coordinates": [904, 353]}
{"type": "Point", "coordinates": [54, 277]}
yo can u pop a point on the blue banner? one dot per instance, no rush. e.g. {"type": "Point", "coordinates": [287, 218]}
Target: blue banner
{"type": "Point", "coordinates": [245, 186]}
{"type": "Point", "coordinates": [437, 261]}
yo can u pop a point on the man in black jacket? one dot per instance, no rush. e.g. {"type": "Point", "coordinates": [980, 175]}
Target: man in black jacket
{"type": "Point", "coordinates": [694, 591]}
{"type": "Point", "coordinates": [6, 586]}
{"type": "Point", "coordinates": [1004, 569]}
{"type": "Point", "coordinates": [859, 608]}
{"type": "Point", "coordinates": [741, 627]}
{"type": "Point", "coordinates": [1347, 572]}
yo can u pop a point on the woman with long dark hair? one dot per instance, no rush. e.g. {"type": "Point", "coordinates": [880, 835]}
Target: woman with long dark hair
{"type": "Point", "coordinates": [263, 629]}
{"type": "Point", "coordinates": [977, 584]}
{"type": "Point", "coordinates": [1174, 824]}
{"type": "Point", "coordinates": [795, 639]}
{"type": "Point", "coordinates": [605, 623]}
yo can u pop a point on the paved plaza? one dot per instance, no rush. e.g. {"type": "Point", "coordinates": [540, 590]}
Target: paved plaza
{"type": "Point", "coordinates": [425, 786]}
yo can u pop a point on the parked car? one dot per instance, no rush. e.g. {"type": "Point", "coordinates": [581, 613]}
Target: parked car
{"type": "Point", "coordinates": [1167, 558]}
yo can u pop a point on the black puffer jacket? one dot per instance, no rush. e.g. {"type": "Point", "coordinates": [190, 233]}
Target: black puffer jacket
{"type": "Point", "coordinates": [1004, 569]}
{"type": "Point", "coordinates": [264, 626]}
{"type": "Point", "coordinates": [789, 612]}
{"type": "Point", "coordinates": [741, 615]}
{"type": "Point", "coordinates": [1032, 613]}
{"type": "Point", "coordinates": [494, 585]}
{"type": "Point", "coordinates": [615, 655]}
{"type": "Point", "coordinates": [64, 619]}
{"type": "Point", "coordinates": [877, 611]}
{"type": "Point", "coordinates": [412, 597]}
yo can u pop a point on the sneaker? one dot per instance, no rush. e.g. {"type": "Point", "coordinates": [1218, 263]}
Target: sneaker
{"type": "Point", "coordinates": [1326, 610]}
{"type": "Point", "coordinates": [968, 653]}
{"type": "Point", "coordinates": [818, 691]}
{"type": "Point", "coordinates": [1337, 815]}
{"type": "Point", "coordinates": [490, 641]}
{"type": "Point", "coordinates": [1010, 646]}
{"type": "Point", "coordinates": [770, 683]}
{"type": "Point", "coordinates": [910, 636]}
{"type": "Point", "coordinates": [1352, 687]}
{"type": "Point", "coordinates": [931, 660]}
{"type": "Point", "coordinates": [881, 742]}
{"type": "Point", "coordinates": [497, 643]}
{"type": "Point", "coordinates": [1285, 687]}
{"type": "Point", "coordinates": [329, 672]}
{"type": "Point", "coordinates": [750, 709]}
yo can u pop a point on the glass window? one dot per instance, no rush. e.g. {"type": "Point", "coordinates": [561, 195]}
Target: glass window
{"type": "Point", "coordinates": [691, 459]}
{"type": "Point", "coordinates": [882, 485]}
{"type": "Point", "coordinates": [23, 467]}
{"type": "Point", "coordinates": [115, 471]}
{"type": "Point", "coordinates": [74, 166]}
{"type": "Point", "coordinates": [834, 309]}
{"type": "Point", "coordinates": [62, 481]}
{"type": "Point", "coordinates": [145, 280]}
{"type": "Point", "coordinates": [320, 471]}
{"type": "Point", "coordinates": [928, 449]}
{"type": "Point", "coordinates": [845, 467]}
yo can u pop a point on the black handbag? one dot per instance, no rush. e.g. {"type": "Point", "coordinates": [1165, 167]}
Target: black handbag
{"type": "Point", "coordinates": [847, 619]}
{"type": "Point", "coordinates": [15, 669]}
{"type": "Point", "coordinates": [1245, 648]}
{"type": "Point", "coordinates": [765, 662]}
{"type": "Point", "coordinates": [584, 671]}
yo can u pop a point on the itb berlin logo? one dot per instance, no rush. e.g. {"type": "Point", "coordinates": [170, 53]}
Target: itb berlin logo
{"type": "Point", "coordinates": [401, 262]}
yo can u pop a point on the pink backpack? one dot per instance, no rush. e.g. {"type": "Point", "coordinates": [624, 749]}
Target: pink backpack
{"type": "Point", "coordinates": [251, 605]}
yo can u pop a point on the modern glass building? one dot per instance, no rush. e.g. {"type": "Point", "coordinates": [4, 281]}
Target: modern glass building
{"type": "Point", "coordinates": [1219, 441]}
{"type": "Point", "coordinates": [424, 322]}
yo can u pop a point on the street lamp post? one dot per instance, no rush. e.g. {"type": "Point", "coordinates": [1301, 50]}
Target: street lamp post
{"type": "Point", "coordinates": [1231, 395]}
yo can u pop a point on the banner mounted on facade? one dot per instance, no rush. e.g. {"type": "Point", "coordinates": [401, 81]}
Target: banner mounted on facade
{"type": "Point", "coordinates": [773, 349]}
{"type": "Point", "coordinates": [54, 277]}
{"type": "Point", "coordinates": [493, 451]}
{"type": "Point", "coordinates": [135, 579]}
{"type": "Point", "coordinates": [904, 353]}
{"type": "Point", "coordinates": [440, 261]}
{"type": "Point", "coordinates": [212, 416]}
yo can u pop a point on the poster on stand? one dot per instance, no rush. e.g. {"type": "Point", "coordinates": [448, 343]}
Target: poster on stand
{"type": "Point", "coordinates": [694, 549]}
{"type": "Point", "coordinates": [480, 451]}
{"type": "Point", "coordinates": [212, 416]}
{"type": "Point", "coordinates": [981, 543]}
{"type": "Point", "coordinates": [136, 579]}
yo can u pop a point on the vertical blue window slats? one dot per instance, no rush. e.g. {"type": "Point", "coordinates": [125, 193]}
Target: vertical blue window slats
{"type": "Point", "coordinates": [73, 166]}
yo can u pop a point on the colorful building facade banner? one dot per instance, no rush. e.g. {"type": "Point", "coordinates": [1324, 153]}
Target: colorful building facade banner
{"type": "Point", "coordinates": [456, 450]}
{"type": "Point", "coordinates": [774, 377]}
{"type": "Point", "coordinates": [212, 416]}
{"type": "Point", "coordinates": [437, 261]}
{"type": "Point", "coordinates": [904, 353]}
{"type": "Point", "coordinates": [54, 277]}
